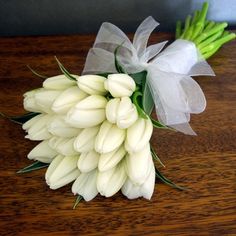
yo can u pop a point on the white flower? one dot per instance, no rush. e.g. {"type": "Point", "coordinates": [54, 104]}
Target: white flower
{"type": "Point", "coordinates": [58, 127]}
{"type": "Point", "coordinates": [45, 98]}
{"type": "Point", "coordinates": [42, 152]}
{"type": "Point", "coordinates": [64, 146]}
{"type": "Point", "coordinates": [122, 112]}
{"type": "Point", "coordinates": [38, 130]}
{"type": "Point", "coordinates": [88, 112]}
{"type": "Point", "coordinates": [67, 99]}
{"type": "Point", "coordinates": [30, 102]}
{"type": "Point", "coordinates": [92, 84]}
{"type": "Point", "coordinates": [86, 139]}
{"type": "Point", "coordinates": [132, 191]}
{"type": "Point", "coordinates": [62, 171]}
{"type": "Point", "coordinates": [111, 159]}
{"type": "Point", "coordinates": [85, 185]}
{"type": "Point", "coordinates": [88, 161]}
{"type": "Point", "coordinates": [109, 137]}
{"type": "Point", "coordinates": [109, 182]}
{"type": "Point", "coordinates": [138, 165]}
{"type": "Point", "coordinates": [120, 85]}
{"type": "Point", "coordinates": [138, 135]}
{"type": "Point", "coordinates": [30, 123]}
{"type": "Point", "coordinates": [59, 82]}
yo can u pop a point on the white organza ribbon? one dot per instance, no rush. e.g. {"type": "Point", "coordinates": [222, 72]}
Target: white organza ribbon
{"type": "Point", "coordinates": [176, 95]}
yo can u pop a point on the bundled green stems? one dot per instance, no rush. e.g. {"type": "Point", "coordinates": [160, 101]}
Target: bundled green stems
{"type": "Point", "coordinates": [208, 36]}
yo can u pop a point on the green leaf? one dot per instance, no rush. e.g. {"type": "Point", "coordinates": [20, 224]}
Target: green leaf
{"type": "Point", "coordinates": [160, 176]}
{"type": "Point", "coordinates": [20, 119]}
{"type": "Point", "coordinates": [139, 77]}
{"type": "Point", "coordinates": [159, 125]}
{"type": "Point", "coordinates": [64, 71]}
{"type": "Point", "coordinates": [136, 102]}
{"type": "Point", "coordinates": [35, 166]}
{"type": "Point", "coordinates": [147, 100]}
{"type": "Point", "coordinates": [77, 201]}
{"type": "Point", "coordinates": [117, 64]}
{"type": "Point", "coordinates": [37, 74]}
{"type": "Point", "coordinates": [155, 157]}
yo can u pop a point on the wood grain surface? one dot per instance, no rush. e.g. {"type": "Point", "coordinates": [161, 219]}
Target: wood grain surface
{"type": "Point", "coordinates": [206, 163]}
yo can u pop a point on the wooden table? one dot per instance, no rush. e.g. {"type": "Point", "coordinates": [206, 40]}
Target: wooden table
{"type": "Point", "coordinates": [206, 163]}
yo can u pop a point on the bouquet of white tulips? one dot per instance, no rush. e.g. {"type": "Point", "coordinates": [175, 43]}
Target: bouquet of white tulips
{"type": "Point", "coordinates": [95, 129]}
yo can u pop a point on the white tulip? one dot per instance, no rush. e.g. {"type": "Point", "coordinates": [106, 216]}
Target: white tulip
{"type": "Point", "coordinates": [59, 82]}
{"type": "Point", "coordinates": [58, 127]}
{"type": "Point", "coordinates": [30, 123]}
{"type": "Point", "coordinates": [67, 99]}
{"type": "Point", "coordinates": [42, 152]}
{"type": "Point", "coordinates": [109, 137]}
{"type": "Point", "coordinates": [39, 131]}
{"type": "Point", "coordinates": [132, 191]}
{"type": "Point", "coordinates": [88, 161]}
{"type": "Point", "coordinates": [111, 159]}
{"type": "Point", "coordinates": [92, 84]}
{"type": "Point", "coordinates": [86, 185]}
{"type": "Point", "coordinates": [122, 112]}
{"type": "Point", "coordinates": [64, 146]}
{"type": "Point", "coordinates": [120, 85]}
{"type": "Point", "coordinates": [86, 139]}
{"type": "Point", "coordinates": [30, 102]}
{"type": "Point", "coordinates": [88, 112]}
{"type": "Point", "coordinates": [62, 171]}
{"type": "Point", "coordinates": [138, 165]}
{"type": "Point", "coordinates": [109, 182]}
{"type": "Point", "coordinates": [138, 135]}
{"type": "Point", "coordinates": [45, 99]}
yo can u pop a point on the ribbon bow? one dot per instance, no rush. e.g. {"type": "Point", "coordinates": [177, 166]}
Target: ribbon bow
{"type": "Point", "coordinates": [175, 94]}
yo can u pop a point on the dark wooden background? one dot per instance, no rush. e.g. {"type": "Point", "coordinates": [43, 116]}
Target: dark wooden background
{"type": "Point", "coordinates": [205, 163]}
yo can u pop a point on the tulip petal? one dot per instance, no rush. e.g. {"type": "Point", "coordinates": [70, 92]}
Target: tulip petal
{"type": "Point", "coordinates": [67, 99]}
{"type": "Point", "coordinates": [138, 165]}
{"type": "Point", "coordinates": [109, 182]}
{"type": "Point", "coordinates": [88, 161]}
{"type": "Point", "coordinates": [59, 82]}
{"type": "Point", "coordinates": [85, 185]}
{"type": "Point", "coordinates": [111, 159]}
{"type": "Point", "coordinates": [109, 137]}
{"type": "Point", "coordinates": [86, 139]}
{"type": "Point", "coordinates": [42, 152]}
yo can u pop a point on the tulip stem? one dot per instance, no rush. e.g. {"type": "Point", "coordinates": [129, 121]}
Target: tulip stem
{"type": "Point", "coordinates": [208, 36]}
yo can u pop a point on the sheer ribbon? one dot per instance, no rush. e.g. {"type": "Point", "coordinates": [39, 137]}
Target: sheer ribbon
{"type": "Point", "coordinates": [176, 95]}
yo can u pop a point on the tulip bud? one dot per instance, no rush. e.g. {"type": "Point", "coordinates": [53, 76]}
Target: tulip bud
{"type": "Point", "coordinates": [59, 82]}
{"type": "Point", "coordinates": [30, 123]}
{"type": "Point", "coordinates": [62, 171]}
{"type": "Point", "coordinates": [88, 161]}
{"type": "Point", "coordinates": [132, 191]}
{"type": "Point", "coordinates": [122, 112]}
{"type": "Point", "coordinates": [86, 185]}
{"type": "Point", "coordinates": [109, 137]}
{"type": "Point", "coordinates": [88, 112]}
{"type": "Point", "coordinates": [38, 131]}
{"type": "Point", "coordinates": [64, 146]}
{"type": "Point", "coordinates": [138, 165]}
{"type": "Point", "coordinates": [42, 152]}
{"type": "Point", "coordinates": [45, 99]}
{"type": "Point", "coordinates": [120, 85]}
{"type": "Point", "coordinates": [67, 99]}
{"type": "Point", "coordinates": [58, 127]}
{"type": "Point", "coordinates": [138, 135]}
{"type": "Point", "coordinates": [111, 159]}
{"type": "Point", "coordinates": [30, 102]}
{"type": "Point", "coordinates": [92, 84]}
{"type": "Point", "coordinates": [109, 182]}
{"type": "Point", "coordinates": [86, 139]}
